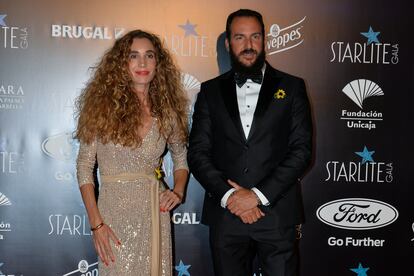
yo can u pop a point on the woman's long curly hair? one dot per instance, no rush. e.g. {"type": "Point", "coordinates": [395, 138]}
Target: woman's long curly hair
{"type": "Point", "coordinates": [109, 110]}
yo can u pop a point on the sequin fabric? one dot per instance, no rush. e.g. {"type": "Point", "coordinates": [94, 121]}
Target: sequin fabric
{"type": "Point", "coordinates": [125, 205]}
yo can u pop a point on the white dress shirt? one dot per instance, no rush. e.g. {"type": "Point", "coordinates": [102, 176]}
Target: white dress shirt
{"type": "Point", "coordinates": [247, 97]}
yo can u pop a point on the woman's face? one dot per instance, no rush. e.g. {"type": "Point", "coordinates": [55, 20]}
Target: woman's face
{"type": "Point", "coordinates": [142, 63]}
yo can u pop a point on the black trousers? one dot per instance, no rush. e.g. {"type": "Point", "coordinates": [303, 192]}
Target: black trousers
{"type": "Point", "coordinates": [234, 246]}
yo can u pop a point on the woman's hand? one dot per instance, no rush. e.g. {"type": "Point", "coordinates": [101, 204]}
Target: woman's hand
{"type": "Point", "coordinates": [102, 238]}
{"type": "Point", "coordinates": [170, 199]}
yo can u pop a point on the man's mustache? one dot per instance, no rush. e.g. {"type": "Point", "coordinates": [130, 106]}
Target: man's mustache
{"type": "Point", "coordinates": [248, 51]}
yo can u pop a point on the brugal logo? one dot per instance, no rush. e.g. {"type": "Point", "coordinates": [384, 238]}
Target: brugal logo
{"type": "Point", "coordinates": [88, 32]}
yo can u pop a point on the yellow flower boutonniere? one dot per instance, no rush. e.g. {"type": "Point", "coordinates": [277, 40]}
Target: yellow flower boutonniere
{"type": "Point", "coordinates": [280, 94]}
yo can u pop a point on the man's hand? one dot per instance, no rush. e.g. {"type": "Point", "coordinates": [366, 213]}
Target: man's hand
{"type": "Point", "coordinates": [252, 215]}
{"type": "Point", "coordinates": [241, 201]}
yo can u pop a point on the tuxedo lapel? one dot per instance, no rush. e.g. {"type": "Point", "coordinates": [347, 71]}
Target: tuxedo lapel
{"type": "Point", "coordinates": [229, 94]}
{"type": "Point", "coordinates": [270, 82]}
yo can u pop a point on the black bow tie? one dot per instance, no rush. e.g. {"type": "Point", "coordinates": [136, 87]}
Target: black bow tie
{"type": "Point", "coordinates": [241, 78]}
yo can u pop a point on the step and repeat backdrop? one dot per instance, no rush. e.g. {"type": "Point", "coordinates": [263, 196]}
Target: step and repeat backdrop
{"type": "Point", "coordinates": [355, 56]}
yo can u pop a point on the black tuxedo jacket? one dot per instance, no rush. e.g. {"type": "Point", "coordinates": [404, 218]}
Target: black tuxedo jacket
{"type": "Point", "coordinates": [272, 158]}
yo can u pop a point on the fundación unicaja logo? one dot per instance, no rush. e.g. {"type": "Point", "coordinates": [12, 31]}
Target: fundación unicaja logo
{"type": "Point", "coordinates": [367, 51]}
{"type": "Point", "coordinates": [286, 38]}
{"type": "Point", "coordinates": [4, 201]}
{"type": "Point", "coordinates": [4, 225]}
{"type": "Point", "coordinates": [191, 85]}
{"type": "Point", "coordinates": [359, 91]}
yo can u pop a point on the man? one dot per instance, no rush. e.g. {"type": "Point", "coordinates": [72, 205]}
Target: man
{"type": "Point", "coordinates": [250, 143]}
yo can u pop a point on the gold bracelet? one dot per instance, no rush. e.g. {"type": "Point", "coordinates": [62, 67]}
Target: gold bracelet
{"type": "Point", "coordinates": [97, 227]}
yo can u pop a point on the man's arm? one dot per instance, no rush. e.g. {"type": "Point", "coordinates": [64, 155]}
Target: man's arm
{"type": "Point", "coordinates": [299, 151]}
{"type": "Point", "coordinates": [200, 150]}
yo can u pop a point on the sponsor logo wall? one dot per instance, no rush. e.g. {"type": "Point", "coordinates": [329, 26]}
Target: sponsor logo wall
{"type": "Point", "coordinates": [355, 57]}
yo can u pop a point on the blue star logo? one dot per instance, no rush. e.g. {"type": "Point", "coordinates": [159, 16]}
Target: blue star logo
{"type": "Point", "coordinates": [366, 155]}
{"type": "Point", "coordinates": [371, 35]}
{"type": "Point", "coordinates": [360, 270]}
{"type": "Point", "coordinates": [2, 23]}
{"type": "Point", "coordinates": [189, 28]}
{"type": "Point", "coordinates": [182, 269]}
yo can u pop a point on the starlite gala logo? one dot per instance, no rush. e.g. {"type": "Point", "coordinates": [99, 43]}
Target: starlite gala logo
{"type": "Point", "coordinates": [358, 91]}
{"type": "Point", "coordinates": [188, 41]}
{"type": "Point", "coordinates": [11, 162]}
{"type": "Point", "coordinates": [370, 52]}
{"type": "Point", "coordinates": [357, 213]}
{"type": "Point", "coordinates": [86, 32]}
{"type": "Point", "coordinates": [72, 225]}
{"type": "Point", "coordinates": [367, 170]}
{"type": "Point", "coordinates": [12, 36]}
{"type": "Point", "coordinates": [283, 39]}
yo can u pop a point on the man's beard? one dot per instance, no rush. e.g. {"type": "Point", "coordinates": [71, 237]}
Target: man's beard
{"type": "Point", "coordinates": [241, 68]}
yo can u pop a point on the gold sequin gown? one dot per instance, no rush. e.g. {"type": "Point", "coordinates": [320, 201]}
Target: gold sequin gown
{"type": "Point", "coordinates": [129, 201]}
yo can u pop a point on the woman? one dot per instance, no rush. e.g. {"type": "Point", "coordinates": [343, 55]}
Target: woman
{"type": "Point", "coordinates": [132, 108]}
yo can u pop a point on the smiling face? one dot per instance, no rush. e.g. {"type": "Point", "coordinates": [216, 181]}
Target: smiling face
{"type": "Point", "coordinates": [142, 63]}
{"type": "Point", "coordinates": [246, 44]}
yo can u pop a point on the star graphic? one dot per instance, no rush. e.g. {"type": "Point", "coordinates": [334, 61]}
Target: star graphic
{"type": "Point", "coordinates": [189, 28]}
{"type": "Point", "coordinates": [361, 271]}
{"type": "Point", "coordinates": [371, 35]}
{"type": "Point", "coordinates": [182, 269]}
{"type": "Point", "coordinates": [2, 23]}
{"type": "Point", "coordinates": [366, 155]}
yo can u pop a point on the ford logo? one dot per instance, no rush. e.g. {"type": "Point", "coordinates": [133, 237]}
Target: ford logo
{"type": "Point", "coordinates": [61, 147]}
{"type": "Point", "coordinates": [357, 213]}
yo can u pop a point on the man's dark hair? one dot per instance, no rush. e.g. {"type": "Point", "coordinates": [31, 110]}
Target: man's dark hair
{"type": "Point", "coordinates": [243, 13]}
